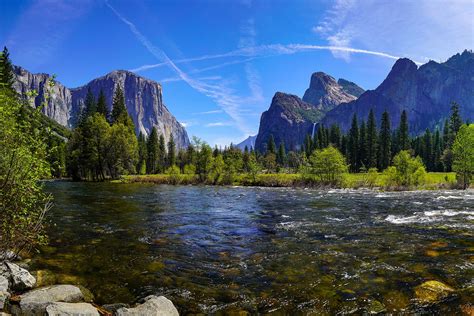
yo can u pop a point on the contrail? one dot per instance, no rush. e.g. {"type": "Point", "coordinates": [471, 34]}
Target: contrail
{"type": "Point", "coordinates": [263, 51]}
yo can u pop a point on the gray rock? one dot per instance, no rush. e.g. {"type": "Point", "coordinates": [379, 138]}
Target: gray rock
{"type": "Point", "coordinates": [4, 284]}
{"type": "Point", "coordinates": [4, 296]}
{"type": "Point", "coordinates": [114, 307]}
{"type": "Point", "coordinates": [153, 306]}
{"type": "Point", "coordinates": [36, 301]}
{"type": "Point", "coordinates": [71, 309]}
{"type": "Point", "coordinates": [425, 92]}
{"type": "Point", "coordinates": [143, 99]}
{"type": "Point", "coordinates": [5, 314]}
{"type": "Point", "coordinates": [8, 256]}
{"type": "Point", "coordinates": [20, 278]}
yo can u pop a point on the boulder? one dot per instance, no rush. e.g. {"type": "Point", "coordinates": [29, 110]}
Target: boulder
{"type": "Point", "coordinates": [153, 306]}
{"type": "Point", "coordinates": [4, 296]}
{"type": "Point", "coordinates": [4, 284]}
{"type": "Point", "coordinates": [71, 309]}
{"type": "Point", "coordinates": [433, 291]}
{"type": "Point", "coordinates": [113, 308]}
{"type": "Point", "coordinates": [36, 301]}
{"type": "Point", "coordinates": [20, 278]}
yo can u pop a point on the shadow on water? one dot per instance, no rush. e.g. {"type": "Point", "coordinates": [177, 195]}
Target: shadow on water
{"type": "Point", "coordinates": [221, 249]}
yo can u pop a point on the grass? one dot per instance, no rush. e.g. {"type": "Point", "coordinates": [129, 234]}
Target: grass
{"type": "Point", "coordinates": [434, 180]}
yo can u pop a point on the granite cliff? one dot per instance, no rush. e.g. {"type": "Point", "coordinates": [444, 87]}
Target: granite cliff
{"type": "Point", "coordinates": [143, 99]}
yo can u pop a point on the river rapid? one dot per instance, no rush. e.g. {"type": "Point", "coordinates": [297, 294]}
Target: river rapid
{"type": "Point", "coordinates": [261, 250]}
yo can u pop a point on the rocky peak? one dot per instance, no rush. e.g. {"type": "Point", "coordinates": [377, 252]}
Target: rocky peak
{"type": "Point", "coordinates": [350, 87]}
{"type": "Point", "coordinates": [325, 93]}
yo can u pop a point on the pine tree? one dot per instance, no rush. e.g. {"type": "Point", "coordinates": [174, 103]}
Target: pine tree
{"type": "Point", "coordinates": [437, 152]}
{"type": "Point", "coordinates": [384, 142]}
{"type": "Point", "coordinates": [281, 155]}
{"type": "Point", "coordinates": [7, 77]}
{"type": "Point", "coordinates": [362, 148]}
{"type": "Point", "coordinates": [403, 136]}
{"type": "Point", "coordinates": [119, 111]}
{"type": "Point", "coordinates": [371, 141]}
{"type": "Point", "coordinates": [161, 153]}
{"type": "Point", "coordinates": [90, 104]}
{"type": "Point", "coordinates": [308, 145]}
{"type": "Point", "coordinates": [445, 134]}
{"type": "Point", "coordinates": [171, 151]}
{"type": "Point", "coordinates": [152, 148]}
{"type": "Point", "coordinates": [353, 144]}
{"type": "Point", "coordinates": [428, 150]}
{"type": "Point", "coordinates": [102, 105]}
{"type": "Point", "coordinates": [271, 146]}
{"type": "Point", "coordinates": [142, 154]}
{"type": "Point", "coordinates": [335, 136]}
{"type": "Point", "coordinates": [455, 122]}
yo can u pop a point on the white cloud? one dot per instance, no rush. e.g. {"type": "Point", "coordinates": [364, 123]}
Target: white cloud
{"type": "Point", "coordinates": [218, 124]}
{"type": "Point", "coordinates": [421, 29]}
{"type": "Point", "coordinates": [210, 112]}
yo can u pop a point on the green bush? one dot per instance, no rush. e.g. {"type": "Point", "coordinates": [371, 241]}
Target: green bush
{"type": "Point", "coordinates": [328, 165]}
{"type": "Point", "coordinates": [406, 171]}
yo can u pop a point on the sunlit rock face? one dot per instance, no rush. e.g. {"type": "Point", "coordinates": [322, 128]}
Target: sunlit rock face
{"type": "Point", "coordinates": [425, 92]}
{"type": "Point", "coordinates": [143, 99]}
{"type": "Point", "coordinates": [290, 118]}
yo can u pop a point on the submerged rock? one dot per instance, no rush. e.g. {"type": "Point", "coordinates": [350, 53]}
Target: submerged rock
{"type": "Point", "coordinates": [433, 291]}
{"type": "Point", "coordinates": [20, 278]}
{"type": "Point", "coordinates": [153, 305]}
{"type": "Point", "coordinates": [71, 309]}
{"type": "Point", "coordinates": [36, 301]}
{"type": "Point", "coordinates": [114, 307]}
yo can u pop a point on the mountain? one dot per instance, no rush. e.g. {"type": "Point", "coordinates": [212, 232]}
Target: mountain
{"type": "Point", "coordinates": [350, 87]}
{"type": "Point", "coordinates": [290, 118]}
{"type": "Point", "coordinates": [249, 142]}
{"type": "Point", "coordinates": [143, 99]}
{"type": "Point", "coordinates": [425, 92]}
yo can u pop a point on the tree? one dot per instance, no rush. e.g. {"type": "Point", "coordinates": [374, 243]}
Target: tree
{"type": "Point", "coordinates": [123, 150]}
{"type": "Point", "coordinates": [371, 141]}
{"type": "Point", "coordinates": [204, 160]}
{"type": "Point", "coordinates": [161, 154]}
{"type": "Point", "coordinates": [335, 136]}
{"type": "Point", "coordinates": [152, 146]}
{"type": "Point", "coordinates": [328, 165]}
{"type": "Point", "coordinates": [407, 171]}
{"type": "Point", "coordinates": [7, 77]}
{"type": "Point", "coordinates": [171, 151]}
{"type": "Point", "coordinates": [271, 147]}
{"type": "Point", "coordinates": [142, 153]}
{"type": "Point", "coordinates": [90, 104]}
{"type": "Point", "coordinates": [455, 122]}
{"type": "Point", "coordinates": [428, 158]}
{"type": "Point", "coordinates": [254, 167]}
{"type": "Point", "coordinates": [23, 202]}
{"type": "Point", "coordinates": [102, 105]}
{"type": "Point", "coordinates": [353, 144]}
{"type": "Point", "coordinates": [384, 142]}
{"type": "Point", "coordinates": [362, 148]}
{"type": "Point", "coordinates": [216, 169]}
{"type": "Point", "coordinates": [403, 136]}
{"type": "Point", "coordinates": [281, 155]}
{"type": "Point", "coordinates": [463, 154]}
{"type": "Point", "coordinates": [119, 111]}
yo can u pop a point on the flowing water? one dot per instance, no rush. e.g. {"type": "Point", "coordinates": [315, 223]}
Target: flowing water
{"type": "Point", "coordinates": [262, 250]}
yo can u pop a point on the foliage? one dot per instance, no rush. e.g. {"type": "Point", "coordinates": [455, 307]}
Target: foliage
{"type": "Point", "coordinates": [407, 171]}
{"type": "Point", "coordinates": [22, 163]}
{"type": "Point", "coordinates": [463, 154]}
{"type": "Point", "coordinates": [328, 165]}
{"type": "Point", "coordinates": [173, 172]}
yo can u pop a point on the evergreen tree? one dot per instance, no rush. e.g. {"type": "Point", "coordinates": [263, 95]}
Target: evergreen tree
{"type": "Point", "coordinates": [455, 122]}
{"type": "Point", "coordinates": [445, 134]}
{"type": "Point", "coordinates": [90, 104]}
{"type": "Point", "coordinates": [308, 145]}
{"type": "Point", "coordinates": [246, 159]}
{"type": "Point", "coordinates": [119, 111]}
{"type": "Point", "coordinates": [384, 142]}
{"type": "Point", "coordinates": [353, 145]}
{"type": "Point", "coordinates": [102, 105]}
{"type": "Point", "coordinates": [437, 152]}
{"type": "Point", "coordinates": [171, 151]}
{"type": "Point", "coordinates": [335, 136]}
{"type": "Point", "coordinates": [362, 148]}
{"type": "Point", "coordinates": [281, 155]}
{"type": "Point", "coordinates": [152, 149]}
{"type": "Point", "coordinates": [7, 77]}
{"type": "Point", "coordinates": [142, 153]}
{"type": "Point", "coordinates": [428, 150]}
{"type": "Point", "coordinates": [403, 136]}
{"type": "Point", "coordinates": [371, 141]}
{"type": "Point", "coordinates": [271, 146]}
{"type": "Point", "coordinates": [161, 154]}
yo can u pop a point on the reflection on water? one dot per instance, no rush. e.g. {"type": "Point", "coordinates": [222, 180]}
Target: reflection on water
{"type": "Point", "coordinates": [219, 249]}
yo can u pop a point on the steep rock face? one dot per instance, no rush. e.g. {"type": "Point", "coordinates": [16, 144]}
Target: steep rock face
{"type": "Point", "coordinates": [249, 142]}
{"type": "Point", "coordinates": [287, 119]}
{"type": "Point", "coordinates": [350, 87]}
{"type": "Point", "coordinates": [425, 93]}
{"type": "Point", "coordinates": [325, 93]}
{"type": "Point", "coordinates": [143, 99]}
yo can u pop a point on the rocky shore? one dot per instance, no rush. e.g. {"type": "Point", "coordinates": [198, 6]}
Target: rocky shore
{"type": "Point", "coordinates": [22, 295]}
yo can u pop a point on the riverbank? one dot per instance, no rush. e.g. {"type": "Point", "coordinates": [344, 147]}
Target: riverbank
{"type": "Point", "coordinates": [25, 293]}
{"type": "Point", "coordinates": [433, 181]}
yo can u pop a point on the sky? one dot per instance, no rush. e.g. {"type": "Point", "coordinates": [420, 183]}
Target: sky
{"type": "Point", "coordinates": [221, 62]}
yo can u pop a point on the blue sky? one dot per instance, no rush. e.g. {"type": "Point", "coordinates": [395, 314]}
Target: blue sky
{"type": "Point", "coordinates": [220, 62]}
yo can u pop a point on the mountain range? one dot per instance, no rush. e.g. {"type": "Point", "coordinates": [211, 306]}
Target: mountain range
{"type": "Point", "coordinates": [143, 99]}
{"type": "Point", "coordinates": [425, 93]}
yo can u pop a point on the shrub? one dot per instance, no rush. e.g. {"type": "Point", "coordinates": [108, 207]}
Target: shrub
{"type": "Point", "coordinates": [328, 165]}
{"type": "Point", "coordinates": [406, 171]}
{"type": "Point", "coordinates": [174, 174]}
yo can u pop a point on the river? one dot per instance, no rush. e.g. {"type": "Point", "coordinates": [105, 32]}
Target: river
{"type": "Point", "coordinates": [281, 250]}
